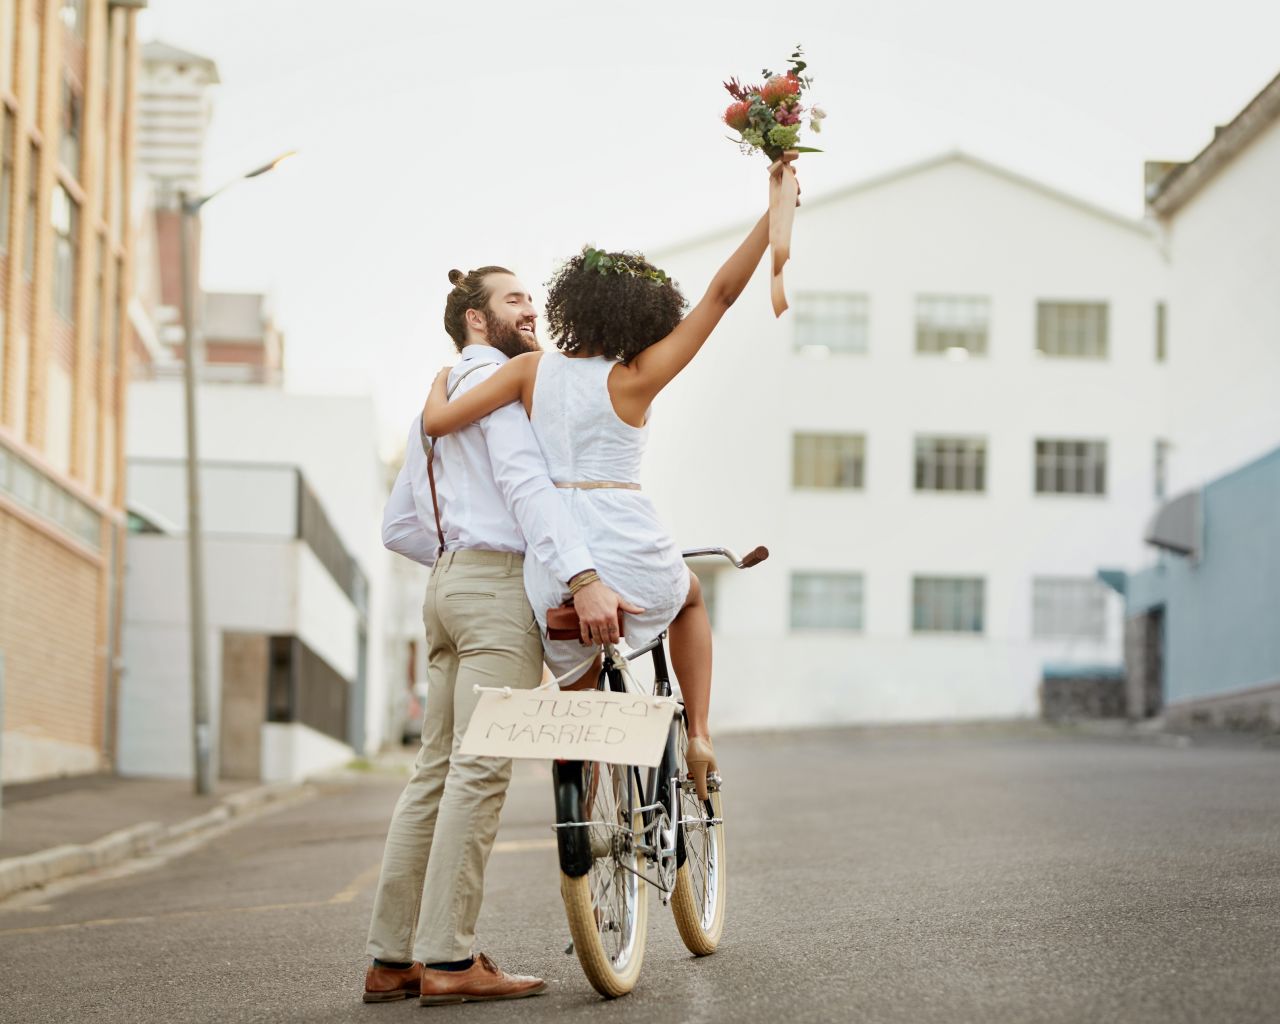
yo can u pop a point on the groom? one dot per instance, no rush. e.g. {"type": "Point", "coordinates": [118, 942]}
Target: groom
{"type": "Point", "coordinates": [481, 499]}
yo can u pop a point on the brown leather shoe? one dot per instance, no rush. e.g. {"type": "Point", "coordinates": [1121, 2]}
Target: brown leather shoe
{"type": "Point", "coordinates": [385, 984]}
{"type": "Point", "coordinates": [481, 981]}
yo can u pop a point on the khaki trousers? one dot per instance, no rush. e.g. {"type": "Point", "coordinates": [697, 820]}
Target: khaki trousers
{"type": "Point", "coordinates": [480, 629]}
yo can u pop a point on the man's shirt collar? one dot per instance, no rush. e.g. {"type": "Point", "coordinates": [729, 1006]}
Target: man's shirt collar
{"type": "Point", "coordinates": [484, 354]}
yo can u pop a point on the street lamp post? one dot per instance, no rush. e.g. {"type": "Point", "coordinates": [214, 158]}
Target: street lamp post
{"type": "Point", "coordinates": [201, 733]}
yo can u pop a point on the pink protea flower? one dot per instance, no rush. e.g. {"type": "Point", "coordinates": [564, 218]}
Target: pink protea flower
{"type": "Point", "coordinates": [738, 115]}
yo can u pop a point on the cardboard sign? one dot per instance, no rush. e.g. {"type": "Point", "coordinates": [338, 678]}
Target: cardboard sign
{"type": "Point", "coordinates": [578, 725]}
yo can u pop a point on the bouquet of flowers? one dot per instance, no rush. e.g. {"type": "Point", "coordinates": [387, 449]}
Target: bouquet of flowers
{"type": "Point", "coordinates": [767, 118]}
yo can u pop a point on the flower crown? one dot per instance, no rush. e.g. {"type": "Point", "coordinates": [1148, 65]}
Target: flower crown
{"type": "Point", "coordinates": [622, 263]}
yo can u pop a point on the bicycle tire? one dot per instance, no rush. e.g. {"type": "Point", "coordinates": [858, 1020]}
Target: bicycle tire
{"type": "Point", "coordinates": [612, 967]}
{"type": "Point", "coordinates": [698, 901]}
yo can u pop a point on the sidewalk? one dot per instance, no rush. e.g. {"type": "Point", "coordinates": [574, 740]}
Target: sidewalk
{"type": "Point", "coordinates": [40, 815]}
{"type": "Point", "coordinates": [61, 827]}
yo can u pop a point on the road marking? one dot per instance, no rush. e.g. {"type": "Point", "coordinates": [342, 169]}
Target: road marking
{"type": "Point", "coordinates": [103, 922]}
{"type": "Point", "coordinates": [345, 895]}
{"type": "Point", "coordinates": [520, 845]}
{"type": "Point", "coordinates": [353, 888]}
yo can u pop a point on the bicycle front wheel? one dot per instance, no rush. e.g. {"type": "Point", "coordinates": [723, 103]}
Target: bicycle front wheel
{"type": "Point", "coordinates": [608, 906]}
{"type": "Point", "coordinates": [698, 900]}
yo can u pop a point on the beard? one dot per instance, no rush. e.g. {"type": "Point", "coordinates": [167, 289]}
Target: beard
{"type": "Point", "coordinates": [507, 338]}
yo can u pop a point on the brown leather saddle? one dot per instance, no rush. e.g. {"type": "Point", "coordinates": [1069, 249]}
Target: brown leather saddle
{"type": "Point", "coordinates": [563, 623]}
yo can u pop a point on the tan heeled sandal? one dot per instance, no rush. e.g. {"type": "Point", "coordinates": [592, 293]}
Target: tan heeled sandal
{"type": "Point", "coordinates": [701, 759]}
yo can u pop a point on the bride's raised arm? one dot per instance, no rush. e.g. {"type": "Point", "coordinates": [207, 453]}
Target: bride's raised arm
{"type": "Point", "coordinates": [511, 383]}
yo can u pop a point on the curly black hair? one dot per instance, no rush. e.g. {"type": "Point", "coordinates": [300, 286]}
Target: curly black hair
{"type": "Point", "coordinates": [606, 311]}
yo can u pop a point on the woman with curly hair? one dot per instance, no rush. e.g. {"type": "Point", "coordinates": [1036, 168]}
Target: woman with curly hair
{"type": "Point", "coordinates": [619, 325]}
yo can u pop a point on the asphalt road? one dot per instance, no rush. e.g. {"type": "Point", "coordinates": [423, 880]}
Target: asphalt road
{"type": "Point", "coordinates": [970, 875]}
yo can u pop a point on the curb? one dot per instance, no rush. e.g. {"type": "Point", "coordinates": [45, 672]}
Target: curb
{"type": "Point", "coordinates": [38, 869]}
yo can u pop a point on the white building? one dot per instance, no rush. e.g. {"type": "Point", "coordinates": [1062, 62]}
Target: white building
{"type": "Point", "coordinates": [952, 428]}
{"type": "Point", "coordinates": [1220, 225]}
{"type": "Point", "coordinates": [296, 582]}
{"type": "Point", "coordinates": [174, 108]}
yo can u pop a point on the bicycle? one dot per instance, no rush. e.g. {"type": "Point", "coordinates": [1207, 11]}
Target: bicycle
{"type": "Point", "coordinates": [623, 828]}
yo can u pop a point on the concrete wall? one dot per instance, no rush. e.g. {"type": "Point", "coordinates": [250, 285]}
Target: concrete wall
{"type": "Point", "coordinates": [1224, 318]}
{"type": "Point", "coordinates": [1222, 612]}
{"type": "Point", "coordinates": [292, 751]}
{"type": "Point", "coordinates": [252, 588]}
{"type": "Point", "coordinates": [719, 462]}
{"type": "Point", "coordinates": [332, 439]}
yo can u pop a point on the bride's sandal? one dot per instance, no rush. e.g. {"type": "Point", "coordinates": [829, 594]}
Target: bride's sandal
{"type": "Point", "coordinates": [701, 759]}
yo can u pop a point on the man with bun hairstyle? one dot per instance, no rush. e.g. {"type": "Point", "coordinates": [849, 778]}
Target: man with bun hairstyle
{"type": "Point", "coordinates": [469, 505]}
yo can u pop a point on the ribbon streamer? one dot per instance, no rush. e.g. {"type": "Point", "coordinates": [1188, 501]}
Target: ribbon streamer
{"type": "Point", "coordinates": [783, 192]}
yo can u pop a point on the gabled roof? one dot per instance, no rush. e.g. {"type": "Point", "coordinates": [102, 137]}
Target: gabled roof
{"type": "Point", "coordinates": [1177, 188]}
{"type": "Point", "coordinates": [920, 167]}
{"type": "Point", "coordinates": [157, 52]}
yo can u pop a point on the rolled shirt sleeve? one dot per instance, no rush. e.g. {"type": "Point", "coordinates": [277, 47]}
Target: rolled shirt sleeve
{"type": "Point", "coordinates": [521, 474]}
{"type": "Point", "coordinates": [402, 528]}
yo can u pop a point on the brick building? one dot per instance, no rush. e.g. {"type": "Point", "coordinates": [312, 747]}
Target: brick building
{"type": "Point", "coordinates": [67, 100]}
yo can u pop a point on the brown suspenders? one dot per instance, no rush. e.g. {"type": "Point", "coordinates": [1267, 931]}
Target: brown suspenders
{"type": "Point", "coordinates": [430, 449]}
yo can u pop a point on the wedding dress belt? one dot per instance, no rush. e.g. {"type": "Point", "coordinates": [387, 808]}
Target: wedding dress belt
{"type": "Point", "coordinates": [595, 485]}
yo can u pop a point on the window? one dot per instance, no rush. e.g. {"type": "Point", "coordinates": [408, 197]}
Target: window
{"type": "Point", "coordinates": [66, 230]}
{"type": "Point", "coordinates": [831, 321]}
{"type": "Point", "coordinates": [1068, 607]}
{"type": "Point", "coordinates": [6, 177]}
{"type": "Point", "coordinates": [952, 324]}
{"type": "Point", "coordinates": [951, 464]}
{"type": "Point", "coordinates": [33, 54]}
{"type": "Point", "coordinates": [33, 213]}
{"type": "Point", "coordinates": [946, 604]}
{"type": "Point", "coordinates": [73, 16]}
{"type": "Point", "coordinates": [1076, 330]}
{"type": "Point", "coordinates": [8, 22]}
{"type": "Point", "coordinates": [72, 127]}
{"type": "Point", "coordinates": [826, 600]}
{"type": "Point", "coordinates": [828, 461]}
{"type": "Point", "coordinates": [1071, 467]}
{"type": "Point", "coordinates": [1161, 469]}
{"type": "Point", "coordinates": [1162, 326]}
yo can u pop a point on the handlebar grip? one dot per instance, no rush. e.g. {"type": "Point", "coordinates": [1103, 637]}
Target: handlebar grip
{"type": "Point", "coordinates": [755, 557]}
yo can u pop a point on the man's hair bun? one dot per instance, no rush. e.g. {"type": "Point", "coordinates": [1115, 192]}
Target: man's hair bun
{"type": "Point", "coordinates": [456, 277]}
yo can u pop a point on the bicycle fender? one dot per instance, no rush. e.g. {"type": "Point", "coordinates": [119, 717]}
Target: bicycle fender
{"type": "Point", "coordinates": [574, 843]}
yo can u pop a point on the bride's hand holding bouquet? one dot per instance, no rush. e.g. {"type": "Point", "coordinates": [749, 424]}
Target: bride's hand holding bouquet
{"type": "Point", "coordinates": [768, 118]}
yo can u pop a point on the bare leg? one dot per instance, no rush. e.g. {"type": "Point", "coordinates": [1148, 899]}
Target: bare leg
{"type": "Point", "coordinates": [690, 636]}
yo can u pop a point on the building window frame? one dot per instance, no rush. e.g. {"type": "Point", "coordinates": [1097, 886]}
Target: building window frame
{"type": "Point", "coordinates": [948, 604]}
{"type": "Point", "coordinates": [828, 462]}
{"type": "Point", "coordinates": [826, 601]}
{"type": "Point", "coordinates": [65, 217]}
{"type": "Point", "coordinates": [1073, 330]}
{"type": "Point", "coordinates": [952, 325]}
{"type": "Point", "coordinates": [1070, 466]}
{"type": "Point", "coordinates": [950, 464]}
{"type": "Point", "coordinates": [832, 323]}
{"type": "Point", "coordinates": [1068, 608]}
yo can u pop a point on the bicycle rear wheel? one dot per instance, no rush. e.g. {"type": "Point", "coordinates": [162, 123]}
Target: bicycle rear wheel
{"type": "Point", "coordinates": [608, 906]}
{"type": "Point", "coordinates": [698, 900]}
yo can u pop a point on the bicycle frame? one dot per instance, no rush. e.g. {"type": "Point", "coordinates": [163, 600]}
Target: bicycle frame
{"type": "Point", "coordinates": [660, 838]}
{"type": "Point", "coordinates": [659, 811]}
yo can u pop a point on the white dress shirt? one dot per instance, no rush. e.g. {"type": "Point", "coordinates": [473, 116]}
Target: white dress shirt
{"type": "Point", "coordinates": [492, 484]}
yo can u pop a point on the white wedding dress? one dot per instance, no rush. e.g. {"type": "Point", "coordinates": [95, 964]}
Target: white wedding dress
{"type": "Point", "coordinates": [583, 440]}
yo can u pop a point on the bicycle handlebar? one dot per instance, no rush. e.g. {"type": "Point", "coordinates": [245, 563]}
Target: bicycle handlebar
{"type": "Point", "coordinates": [753, 557]}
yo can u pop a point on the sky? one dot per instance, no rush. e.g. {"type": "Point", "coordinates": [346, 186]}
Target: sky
{"type": "Point", "coordinates": [434, 136]}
